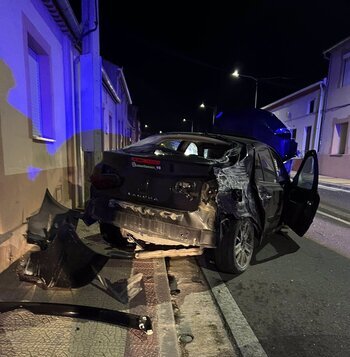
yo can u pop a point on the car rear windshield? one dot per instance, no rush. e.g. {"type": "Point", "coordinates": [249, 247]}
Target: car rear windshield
{"type": "Point", "coordinates": [210, 148]}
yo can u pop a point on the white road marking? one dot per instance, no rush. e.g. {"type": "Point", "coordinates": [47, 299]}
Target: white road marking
{"type": "Point", "coordinates": [329, 188]}
{"type": "Point", "coordinates": [333, 217]}
{"type": "Point", "coordinates": [242, 333]}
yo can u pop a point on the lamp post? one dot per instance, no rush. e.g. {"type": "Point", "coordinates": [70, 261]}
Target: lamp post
{"type": "Point", "coordinates": [213, 108]}
{"type": "Point", "coordinates": [184, 120]}
{"type": "Point", "coordinates": [236, 74]}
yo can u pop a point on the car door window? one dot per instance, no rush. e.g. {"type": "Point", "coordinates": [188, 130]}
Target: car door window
{"type": "Point", "coordinates": [306, 176]}
{"type": "Point", "coordinates": [258, 169]}
{"type": "Point", "coordinates": [282, 175]}
{"type": "Point", "coordinates": [267, 166]}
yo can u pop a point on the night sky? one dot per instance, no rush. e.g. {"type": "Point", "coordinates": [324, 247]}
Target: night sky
{"type": "Point", "coordinates": [177, 54]}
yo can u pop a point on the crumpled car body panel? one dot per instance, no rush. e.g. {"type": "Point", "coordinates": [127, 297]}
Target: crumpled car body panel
{"type": "Point", "coordinates": [227, 190]}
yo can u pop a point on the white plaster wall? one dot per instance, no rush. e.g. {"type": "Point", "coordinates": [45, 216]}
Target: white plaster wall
{"type": "Point", "coordinates": [19, 150]}
{"type": "Point", "coordinates": [299, 117]}
{"type": "Point", "coordinates": [109, 109]}
{"type": "Point", "coordinates": [337, 108]}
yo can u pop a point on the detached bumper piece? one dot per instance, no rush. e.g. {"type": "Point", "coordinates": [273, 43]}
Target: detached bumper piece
{"type": "Point", "coordinates": [43, 226]}
{"type": "Point", "coordinates": [66, 263]}
{"type": "Point", "coordinates": [118, 318]}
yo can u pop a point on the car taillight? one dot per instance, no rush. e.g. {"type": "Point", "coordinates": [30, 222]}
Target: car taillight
{"type": "Point", "coordinates": [103, 177]}
{"type": "Point", "coordinates": [187, 188]}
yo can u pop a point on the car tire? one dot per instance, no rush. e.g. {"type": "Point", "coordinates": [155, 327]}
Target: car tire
{"type": "Point", "coordinates": [230, 256]}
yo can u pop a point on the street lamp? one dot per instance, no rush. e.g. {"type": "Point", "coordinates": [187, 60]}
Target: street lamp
{"type": "Point", "coordinates": [236, 74]}
{"type": "Point", "coordinates": [213, 108]}
{"type": "Point", "coordinates": [146, 126]}
{"type": "Point", "coordinates": [184, 120]}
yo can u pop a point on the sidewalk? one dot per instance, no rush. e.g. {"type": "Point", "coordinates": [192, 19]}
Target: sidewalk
{"type": "Point", "coordinates": [25, 334]}
{"type": "Point", "coordinates": [335, 182]}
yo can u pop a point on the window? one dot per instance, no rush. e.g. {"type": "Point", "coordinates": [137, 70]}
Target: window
{"type": "Point", "coordinates": [346, 70]}
{"type": "Point", "coordinates": [340, 138]}
{"type": "Point", "coordinates": [282, 175]}
{"type": "Point", "coordinates": [293, 133]}
{"type": "Point", "coordinates": [39, 78]}
{"type": "Point", "coordinates": [258, 169]}
{"type": "Point", "coordinates": [192, 149]}
{"type": "Point", "coordinates": [311, 106]}
{"type": "Point", "coordinates": [307, 136]}
{"type": "Point", "coordinates": [35, 91]}
{"type": "Point", "coordinates": [267, 166]}
{"type": "Point", "coordinates": [171, 144]}
{"type": "Point", "coordinates": [307, 176]}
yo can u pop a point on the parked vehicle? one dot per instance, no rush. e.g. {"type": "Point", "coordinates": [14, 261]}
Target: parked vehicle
{"type": "Point", "coordinates": [194, 191]}
{"type": "Point", "coordinates": [260, 125]}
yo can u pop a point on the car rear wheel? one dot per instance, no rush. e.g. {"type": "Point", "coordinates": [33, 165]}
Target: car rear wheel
{"type": "Point", "coordinates": [235, 246]}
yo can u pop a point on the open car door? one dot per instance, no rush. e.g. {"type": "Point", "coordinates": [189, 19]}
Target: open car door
{"type": "Point", "coordinates": [301, 196]}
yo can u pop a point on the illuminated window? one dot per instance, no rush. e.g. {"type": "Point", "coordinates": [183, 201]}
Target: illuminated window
{"type": "Point", "coordinates": [346, 70]}
{"type": "Point", "coordinates": [40, 92]}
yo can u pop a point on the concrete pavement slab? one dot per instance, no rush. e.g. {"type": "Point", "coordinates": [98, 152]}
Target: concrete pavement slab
{"type": "Point", "coordinates": [25, 334]}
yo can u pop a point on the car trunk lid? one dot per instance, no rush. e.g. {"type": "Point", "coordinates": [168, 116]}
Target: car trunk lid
{"type": "Point", "coordinates": [171, 181]}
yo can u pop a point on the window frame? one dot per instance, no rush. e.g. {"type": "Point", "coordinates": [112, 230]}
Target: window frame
{"type": "Point", "coordinates": [345, 61]}
{"type": "Point", "coordinates": [34, 43]}
{"type": "Point", "coordinates": [337, 138]}
{"type": "Point", "coordinates": [259, 151]}
{"type": "Point", "coordinates": [313, 101]}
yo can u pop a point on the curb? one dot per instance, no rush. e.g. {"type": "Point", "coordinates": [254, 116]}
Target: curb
{"type": "Point", "coordinates": [334, 185]}
{"type": "Point", "coordinates": [236, 324]}
{"type": "Point", "coordinates": [168, 341]}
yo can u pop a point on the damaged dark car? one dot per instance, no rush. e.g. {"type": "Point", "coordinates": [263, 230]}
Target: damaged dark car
{"type": "Point", "coordinates": [182, 193]}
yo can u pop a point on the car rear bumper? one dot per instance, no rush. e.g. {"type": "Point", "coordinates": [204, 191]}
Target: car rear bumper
{"type": "Point", "coordinates": [155, 225]}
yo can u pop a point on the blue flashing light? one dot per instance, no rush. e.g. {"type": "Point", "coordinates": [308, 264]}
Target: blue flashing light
{"type": "Point", "coordinates": [219, 115]}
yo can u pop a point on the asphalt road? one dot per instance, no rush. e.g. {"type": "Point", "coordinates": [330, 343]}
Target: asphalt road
{"type": "Point", "coordinates": [295, 296]}
{"type": "Point", "coordinates": [335, 201]}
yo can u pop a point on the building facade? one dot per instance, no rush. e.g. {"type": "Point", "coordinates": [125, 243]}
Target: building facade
{"type": "Point", "coordinates": [301, 112]}
{"type": "Point", "coordinates": [334, 153]}
{"type": "Point", "coordinates": [37, 116]}
{"type": "Point", "coordinates": [48, 133]}
{"type": "Point", "coordinates": [126, 126]}
{"type": "Point", "coordinates": [319, 115]}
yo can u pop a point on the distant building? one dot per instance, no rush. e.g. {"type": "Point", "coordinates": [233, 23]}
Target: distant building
{"type": "Point", "coordinates": [319, 115]}
{"type": "Point", "coordinates": [126, 123]}
{"type": "Point", "coordinates": [301, 112]}
{"type": "Point", "coordinates": [334, 153]}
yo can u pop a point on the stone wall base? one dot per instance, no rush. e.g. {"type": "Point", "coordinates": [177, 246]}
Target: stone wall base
{"type": "Point", "coordinates": [12, 246]}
